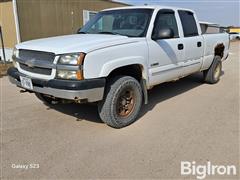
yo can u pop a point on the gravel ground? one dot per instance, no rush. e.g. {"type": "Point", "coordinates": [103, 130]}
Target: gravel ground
{"type": "Point", "coordinates": [184, 121]}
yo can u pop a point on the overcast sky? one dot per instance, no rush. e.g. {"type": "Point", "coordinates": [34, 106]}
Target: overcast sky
{"type": "Point", "coordinates": [223, 12]}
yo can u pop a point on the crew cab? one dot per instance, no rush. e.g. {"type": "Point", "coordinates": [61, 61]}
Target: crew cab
{"type": "Point", "coordinates": [117, 57]}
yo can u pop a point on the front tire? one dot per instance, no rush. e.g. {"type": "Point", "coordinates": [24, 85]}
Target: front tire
{"type": "Point", "coordinates": [122, 102]}
{"type": "Point", "coordinates": [212, 75]}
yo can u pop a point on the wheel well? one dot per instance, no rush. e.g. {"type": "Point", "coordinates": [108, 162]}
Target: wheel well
{"type": "Point", "coordinates": [219, 50]}
{"type": "Point", "coordinates": [134, 70]}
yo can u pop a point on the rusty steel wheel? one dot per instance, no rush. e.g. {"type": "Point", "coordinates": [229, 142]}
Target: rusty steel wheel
{"type": "Point", "coordinates": [122, 102]}
{"type": "Point", "coordinates": [126, 103]}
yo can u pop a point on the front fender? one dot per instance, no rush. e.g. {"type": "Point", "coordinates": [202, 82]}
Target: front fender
{"type": "Point", "coordinates": [102, 62]}
{"type": "Point", "coordinates": [108, 67]}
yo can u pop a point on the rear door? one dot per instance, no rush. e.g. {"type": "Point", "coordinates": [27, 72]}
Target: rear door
{"type": "Point", "coordinates": [193, 42]}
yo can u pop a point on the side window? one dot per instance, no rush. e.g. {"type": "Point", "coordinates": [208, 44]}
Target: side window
{"type": "Point", "coordinates": [188, 23]}
{"type": "Point", "coordinates": [166, 19]}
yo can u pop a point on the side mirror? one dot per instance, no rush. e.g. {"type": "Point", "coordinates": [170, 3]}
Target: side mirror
{"type": "Point", "coordinates": [165, 33]}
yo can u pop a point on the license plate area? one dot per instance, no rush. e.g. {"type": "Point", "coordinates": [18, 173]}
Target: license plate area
{"type": "Point", "coordinates": [26, 82]}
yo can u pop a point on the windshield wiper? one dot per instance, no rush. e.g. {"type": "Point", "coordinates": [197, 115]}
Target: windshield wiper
{"type": "Point", "coordinates": [105, 32]}
{"type": "Point", "coordinates": [113, 33]}
{"type": "Point", "coordinates": [82, 32]}
{"type": "Point", "coordinates": [108, 32]}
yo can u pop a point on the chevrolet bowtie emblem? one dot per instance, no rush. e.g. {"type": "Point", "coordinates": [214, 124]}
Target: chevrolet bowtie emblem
{"type": "Point", "coordinates": [30, 63]}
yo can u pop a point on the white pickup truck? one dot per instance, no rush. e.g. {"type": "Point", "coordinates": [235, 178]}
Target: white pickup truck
{"type": "Point", "coordinates": [116, 57]}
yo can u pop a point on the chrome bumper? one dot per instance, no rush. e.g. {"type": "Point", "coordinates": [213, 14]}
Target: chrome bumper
{"type": "Point", "coordinates": [88, 95]}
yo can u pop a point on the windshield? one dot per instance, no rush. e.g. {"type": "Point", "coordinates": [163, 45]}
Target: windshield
{"type": "Point", "coordinates": [126, 22]}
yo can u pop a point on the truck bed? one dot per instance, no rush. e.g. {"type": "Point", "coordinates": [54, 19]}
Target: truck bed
{"type": "Point", "coordinates": [211, 41]}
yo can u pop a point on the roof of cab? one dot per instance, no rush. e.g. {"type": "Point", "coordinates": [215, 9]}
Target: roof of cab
{"type": "Point", "coordinates": [154, 7]}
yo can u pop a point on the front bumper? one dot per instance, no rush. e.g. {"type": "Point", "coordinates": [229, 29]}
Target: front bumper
{"type": "Point", "coordinates": [91, 90]}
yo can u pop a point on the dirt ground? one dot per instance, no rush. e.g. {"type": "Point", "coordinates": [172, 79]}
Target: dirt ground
{"type": "Point", "coordinates": [184, 121]}
{"type": "Point", "coordinates": [3, 68]}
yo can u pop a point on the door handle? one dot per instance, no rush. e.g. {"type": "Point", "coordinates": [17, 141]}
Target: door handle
{"type": "Point", "coordinates": [180, 46]}
{"type": "Point", "coordinates": [199, 44]}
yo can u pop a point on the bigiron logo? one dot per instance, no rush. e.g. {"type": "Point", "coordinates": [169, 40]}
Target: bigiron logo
{"type": "Point", "coordinates": [208, 169]}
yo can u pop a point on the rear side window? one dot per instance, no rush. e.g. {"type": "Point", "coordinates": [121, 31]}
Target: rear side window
{"type": "Point", "coordinates": [188, 23]}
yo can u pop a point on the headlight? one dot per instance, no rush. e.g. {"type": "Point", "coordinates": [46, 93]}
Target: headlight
{"type": "Point", "coordinates": [15, 52]}
{"type": "Point", "coordinates": [65, 74]}
{"type": "Point", "coordinates": [71, 59]}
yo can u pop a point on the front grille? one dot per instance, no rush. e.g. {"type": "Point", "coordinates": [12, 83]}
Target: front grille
{"type": "Point", "coordinates": [37, 55]}
{"type": "Point", "coordinates": [41, 61]}
{"type": "Point", "coordinates": [37, 70]}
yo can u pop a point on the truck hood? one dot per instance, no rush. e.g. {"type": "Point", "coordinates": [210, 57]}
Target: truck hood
{"type": "Point", "coordinates": [75, 43]}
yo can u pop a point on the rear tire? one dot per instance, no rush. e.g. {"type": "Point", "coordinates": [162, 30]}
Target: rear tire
{"type": "Point", "coordinates": [212, 75]}
{"type": "Point", "coordinates": [122, 102]}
